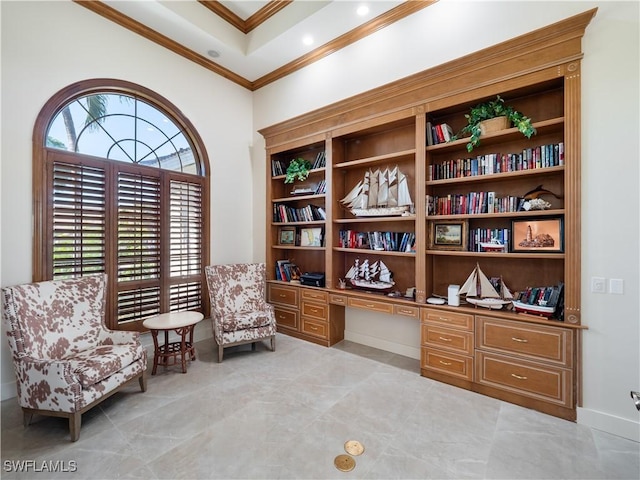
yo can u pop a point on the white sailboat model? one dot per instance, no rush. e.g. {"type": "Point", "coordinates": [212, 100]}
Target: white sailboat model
{"type": "Point", "coordinates": [374, 276]}
{"type": "Point", "coordinates": [480, 292]}
{"type": "Point", "coordinates": [381, 193]}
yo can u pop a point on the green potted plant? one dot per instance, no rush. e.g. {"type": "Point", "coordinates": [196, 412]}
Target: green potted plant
{"type": "Point", "coordinates": [491, 110]}
{"type": "Point", "coordinates": [298, 169]}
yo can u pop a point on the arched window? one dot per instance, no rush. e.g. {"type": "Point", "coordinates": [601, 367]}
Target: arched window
{"type": "Point", "coordinates": [121, 186]}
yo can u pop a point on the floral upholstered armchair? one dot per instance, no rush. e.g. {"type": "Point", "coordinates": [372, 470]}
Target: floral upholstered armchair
{"type": "Point", "coordinates": [66, 361]}
{"type": "Point", "coordinates": [239, 311]}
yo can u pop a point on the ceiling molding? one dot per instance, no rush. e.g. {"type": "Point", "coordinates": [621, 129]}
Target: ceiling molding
{"type": "Point", "coordinates": [397, 13]}
{"type": "Point", "coordinates": [129, 23]}
{"type": "Point", "coordinates": [401, 11]}
{"type": "Point", "coordinates": [255, 20]}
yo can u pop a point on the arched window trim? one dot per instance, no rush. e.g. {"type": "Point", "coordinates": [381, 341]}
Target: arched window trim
{"type": "Point", "coordinates": [41, 242]}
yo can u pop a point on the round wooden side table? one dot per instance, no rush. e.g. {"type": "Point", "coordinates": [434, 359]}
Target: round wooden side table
{"type": "Point", "coordinates": [183, 324]}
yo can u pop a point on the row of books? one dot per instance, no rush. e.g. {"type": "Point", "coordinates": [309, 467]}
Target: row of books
{"type": "Point", "coordinates": [472, 203]}
{"type": "Point", "coordinates": [486, 235]}
{"type": "Point", "coordinates": [287, 271]}
{"type": "Point", "coordinates": [279, 167]}
{"type": "Point", "coordinates": [438, 133]}
{"type": "Point", "coordinates": [542, 156]}
{"type": "Point", "coordinates": [381, 241]}
{"type": "Point", "coordinates": [283, 213]}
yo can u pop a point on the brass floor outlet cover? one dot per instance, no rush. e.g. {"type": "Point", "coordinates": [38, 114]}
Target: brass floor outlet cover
{"type": "Point", "coordinates": [353, 447]}
{"type": "Point", "coordinates": [344, 463]}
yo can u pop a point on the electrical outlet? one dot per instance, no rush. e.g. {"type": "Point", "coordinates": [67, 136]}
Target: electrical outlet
{"type": "Point", "coordinates": [598, 285]}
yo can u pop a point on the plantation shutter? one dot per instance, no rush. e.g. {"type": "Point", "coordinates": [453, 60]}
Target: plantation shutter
{"type": "Point", "coordinates": [185, 245]}
{"type": "Point", "coordinates": [139, 246]}
{"type": "Point", "coordinates": [78, 220]}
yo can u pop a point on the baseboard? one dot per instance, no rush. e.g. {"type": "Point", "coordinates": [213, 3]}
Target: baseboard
{"type": "Point", "coordinates": [202, 331]}
{"type": "Point", "coordinates": [375, 342]}
{"type": "Point", "coordinates": [609, 423]}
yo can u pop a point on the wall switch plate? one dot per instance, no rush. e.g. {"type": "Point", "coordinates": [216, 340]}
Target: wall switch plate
{"type": "Point", "coordinates": [598, 285]}
{"type": "Point", "coordinates": [616, 286]}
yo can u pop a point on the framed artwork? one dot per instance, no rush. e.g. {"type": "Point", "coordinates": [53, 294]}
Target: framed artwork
{"type": "Point", "coordinates": [311, 237]}
{"type": "Point", "coordinates": [448, 235]}
{"type": "Point", "coordinates": [538, 235]}
{"type": "Point", "coordinates": [287, 236]}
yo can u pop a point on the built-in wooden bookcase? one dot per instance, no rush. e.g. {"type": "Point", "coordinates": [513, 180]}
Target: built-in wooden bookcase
{"type": "Point", "coordinates": [281, 202]}
{"type": "Point", "coordinates": [509, 179]}
{"type": "Point", "coordinates": [520, 358]}
{"type": "Point", "coordinates": [384, 145]}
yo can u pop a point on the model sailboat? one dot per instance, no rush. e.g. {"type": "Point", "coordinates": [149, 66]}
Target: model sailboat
{"type": "Point", "coordinates": [480, 291]}
{"type": "Point", "coordinates": [370, 276]}
{"type": "Point", "coordinates": [379, 194]}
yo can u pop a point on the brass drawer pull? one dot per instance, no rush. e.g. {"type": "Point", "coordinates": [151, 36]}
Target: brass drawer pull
{"type": "Point", "coordinates": [446, 364]}
{"type": "Point", "coordinates": [281, 316]}
{"type": "Point", "coordinates": [370, 305]}
{"type": "Point", "coordinates": [444, 339]}
{"type": "Point", "coordinates": [519, 377]}
{"type": "Point", "coordinates": [314, 310]}
{"type": "Point", "coordinates": [444, 319]}
{"type": "Point", "coordinates": [282, 295]}
{"type": "Point", "coordinates": [520, 340]}
{"type": "Point", "coordinates": [312, 327]}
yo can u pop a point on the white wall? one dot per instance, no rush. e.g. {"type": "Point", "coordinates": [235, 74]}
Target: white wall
{"type": "Point", "coordinates": [49, 45]}
{"type": "Point", "coordinates": [610, 220]}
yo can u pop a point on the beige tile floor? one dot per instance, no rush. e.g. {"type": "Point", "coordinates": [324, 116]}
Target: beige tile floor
{"type": "Point", "coordinates": [288, 414]}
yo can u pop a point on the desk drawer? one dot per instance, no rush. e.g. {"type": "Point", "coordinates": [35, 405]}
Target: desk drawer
{"type": "Point", "coordinates": [317, 295]}
{"type": "Point", "coordinates": [453, 340]}
{"type": "Point", "coordinates": [338, 299]}
{"type": "Point", "coordinates": [446, 362]}
{"type": "Point", "coordinates": [371, 305]}
{"type": "Point", "coordinates": [316, 310]}
{"type": "Point", "coordinates": [279, 294]}
{"type": "Point", "coordinates": [542, 382]}
{"type": "Point", "coordinates": [462, 321]}
{"type": "Point", "coordinates": [286, 318]}
{"type": "Point", "coordinates": [315, 328]}
{"type": "Point", "coordinates": [536, 342]}
{"type": "Point", "coordinates": [406, 311]}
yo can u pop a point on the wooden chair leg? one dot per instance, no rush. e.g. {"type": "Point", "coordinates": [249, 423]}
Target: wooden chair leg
{"type": "Point", "coordinates": [220, 351]}
{"type": "Point", "coordinates": [26, 418]}
{"type": "Point", "coordinates": [143, 382]}
{"type": "Point", "coordinates": [273, 343]}
{"type": "Point", "coordinates": [75, 420]}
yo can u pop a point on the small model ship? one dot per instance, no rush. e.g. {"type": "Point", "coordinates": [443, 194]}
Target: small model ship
{"type": "Point", "coordinates": [379, 194]}
{"type": "Point", "coordinates": [543, 301]}
{"type": "Point", "coordinates": [494, 245]}
{"type": "Point", "coordinates": [375, 276]}
{"type": "Point", "coordinates": [480, 291]}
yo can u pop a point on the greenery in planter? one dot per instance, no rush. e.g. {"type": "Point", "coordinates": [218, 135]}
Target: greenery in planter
{"type": "Point", "coordinates": [298, 169]}
{"type": "Point", "coordinates": [492, 109]}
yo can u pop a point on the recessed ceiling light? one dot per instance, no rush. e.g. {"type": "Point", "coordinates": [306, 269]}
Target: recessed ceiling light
{"type": "Point", "coordinates": [307, 39]}
{"type": "Point", "coordinates": [362, 10]}
{"type": "Point", "coordinates": [213, 53]}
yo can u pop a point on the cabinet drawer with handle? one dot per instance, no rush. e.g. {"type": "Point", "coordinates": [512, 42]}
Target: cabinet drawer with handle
{"type": "Point", "coordinates": [455, 340]}
{"type": "Point", "coordinates": [338, 299]}
{"type": "Point", "coordinates": [536, 342]}
{"type": "Point", "coordinates": [449, 363]}
{"type": "Point", "coordinates": [283, 295]}
{"type": "Point", "coordinates": [317, 329]}
{"type": "Point", "coordinates": [406, 311]}
{"type": "Point", "coordinates": [316, 310]}
{"type": "Point", "coordinates": [317, 295]}
{"type": "Point", "coordinates": [448, 319]}
{"type": "Point", "coordinates": [371, 305]}
{"type": "Point", "coordinates": [286, 318]}
{"type": "Point", "coordinates": [543, 382]}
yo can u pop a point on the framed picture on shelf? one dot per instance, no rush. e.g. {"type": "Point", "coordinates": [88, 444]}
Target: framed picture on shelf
{"type": "Point", "coordinates": [537, 235]}
{"type": "Point", "coordinates": [311, 237]}
{"type": "Point", "coordinates": [287, 236]}
{"type": "Point", "coordinates": [448, 235]}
